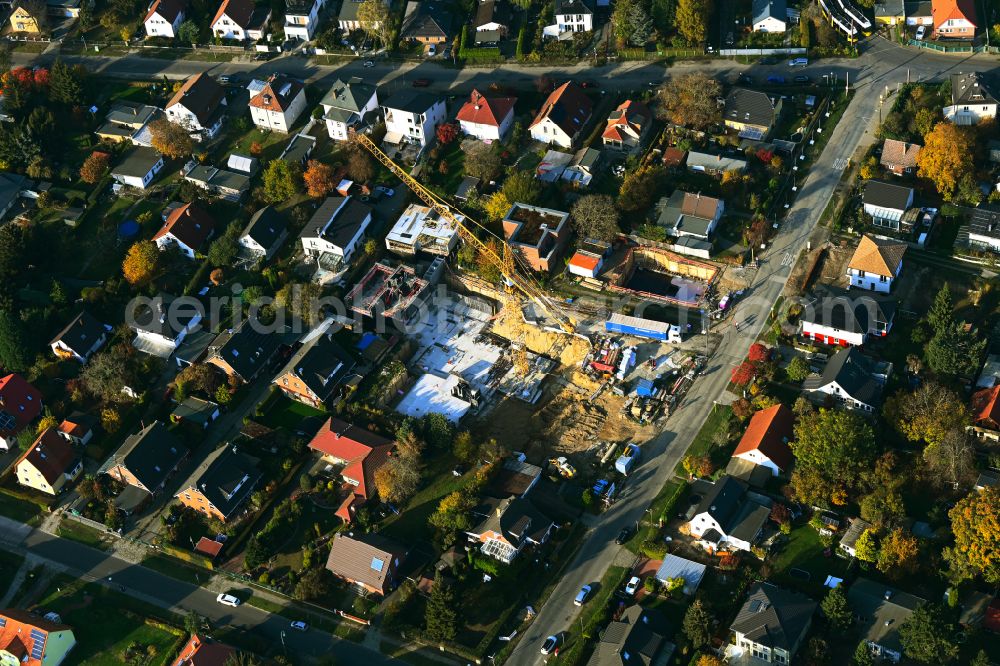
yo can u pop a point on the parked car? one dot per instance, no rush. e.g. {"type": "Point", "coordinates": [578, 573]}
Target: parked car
{"type": "Point", "coordinates": [550, 644]}
{"type": "Point", "coordinates": [299, 625]}
{"type": "Point", "coordinates": [224, 78]}
{"type": "Point", "coordinates": [802, 78]}
{"type": "Point", "coordinates": [369, 63]}
{"type": "Point", "coordinates": [431, 51]}
{"type": "Point", "coordinates": [421, 83]}
{"type": "Point", "coordinates": [774, 78]}
{"type": "Point", "coordinates": [798, 62]}
{"type": "Point", "coordinates": [582, 595]}
{"type": "Point", "coordinates": [228, 600]}
{"type": "Point", "coordinates": [632, 586]}
{"type": "Point", "coordinates": [921, 32]}
{"type": "Point", "coordinates": [387, 191]}
{"type": "Point", "coordinates": [624, 535]}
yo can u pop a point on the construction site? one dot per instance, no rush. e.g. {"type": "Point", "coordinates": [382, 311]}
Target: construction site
{"type": "Point", "coordinates": [662, 276]}
{"type": "Point", "coordinates": [392, 292]}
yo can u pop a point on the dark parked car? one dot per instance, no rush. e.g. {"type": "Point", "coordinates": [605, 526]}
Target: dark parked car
{"type": "Point", "coordinates": [775, 79]}
{"type": "Point", "coordinates": [421, 83]}
{"type": "Point", "coordinates": [624, 535]}
{"type": "Point", "coordinates": [802, 78]}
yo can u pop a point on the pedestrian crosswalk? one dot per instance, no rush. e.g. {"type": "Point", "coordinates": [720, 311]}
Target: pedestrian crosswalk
{"type": "Point", "coordinates": [840, 163]}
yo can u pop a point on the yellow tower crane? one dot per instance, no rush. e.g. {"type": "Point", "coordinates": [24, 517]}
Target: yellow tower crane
{"type": "Point", "coordinates": [514, 281]}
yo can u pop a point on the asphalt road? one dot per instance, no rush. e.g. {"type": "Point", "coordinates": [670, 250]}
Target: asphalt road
{"type": "Point", "coordinates": [882, 64]}
{"type": "Point", "coordinates": [166, 592]}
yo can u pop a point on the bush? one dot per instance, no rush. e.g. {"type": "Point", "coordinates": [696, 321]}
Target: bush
{"type": "Point", "coordinates": [654, 550]}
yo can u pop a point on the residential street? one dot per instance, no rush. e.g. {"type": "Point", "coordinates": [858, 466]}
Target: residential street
{"type": "Point", "coordinates": [880, 66]}
{"type": "Point", "coordinates": [155, 588]}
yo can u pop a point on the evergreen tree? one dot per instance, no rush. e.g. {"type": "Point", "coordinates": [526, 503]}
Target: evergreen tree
{"type": "Point", "coordinates": [940, 316]}
{"type": "Point", "coordinates": [441, 619]}
{"type": "Point", "coordinates": [863, 655]}
{"type": "Point", "coordinates": [14, 347]}
{"type": "Point", "coordinates": [836, 609]}
{"type": "Point", "coordinates": [698, 625]}
{"type": "Point", "coordinates": [65, 84]}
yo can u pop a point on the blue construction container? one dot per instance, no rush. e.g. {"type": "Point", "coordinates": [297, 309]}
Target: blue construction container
{"type": "Point", "coordinates": [644, 388]}
{"type": "Point", "coordinates": [642, 328]}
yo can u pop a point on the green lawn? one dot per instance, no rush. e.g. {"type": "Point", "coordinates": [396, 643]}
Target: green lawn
{"type": "Point", "coordinates": [110, 622]}
{"type": "Point", "coordinates": [286, 413]}
{"type": "Point", "coordinates": [411, 524]}
{"type": "Point", "coordinates": [9, 564]}
{"type": "Point", "coordinates": [75, 531]}
{"type": "Point", "coordinates": [20, 510]}
{"type": "Point", "coordinates": [704, 441]}
{"type": "Point", "coordinates": [805, 553]}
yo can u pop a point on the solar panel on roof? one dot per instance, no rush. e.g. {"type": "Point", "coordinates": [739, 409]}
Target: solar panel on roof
{"type": "Point", "coordinates": [39, 644]}
{"type": "Point", "coordinates": [752, 133]}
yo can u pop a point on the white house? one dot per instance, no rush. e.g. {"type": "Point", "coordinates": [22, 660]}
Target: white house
{"type": "Point", "coordinates": [335, 232]}
{"type": "Point", "coordinates": [726, 517]}
{"type": "Point", "coordinates": [848, 542]}
{"type": "Point", "coordinates": [83, 336]}
{"type": "Point", "coordinates": [412, 116]}
{"type": "Point", "coordinates": [264, 234]}
{"type": "Point", "coordinates": [954, 19]}
{"type": "Point", "coordinates": [971, 100]}
{"type": "Point", "coordinates": [139, 168]}
{"type": "Point", "coordinates": [686, 214]}
{"type": "Point", "coordinates": [834, 318]}
{"type": "Point", "coordinates": [771, 625]}
{"type": "Point", "coordinates": [278, 103]}
{"type": "Point", "coordinates": [571, 16]}
{"type": "Point", "coordinates": [302, 19]}
{"type": "Point", "coordinates": [887, 203]}
{"type": "Point", "coordinates": [984, 226]}
{"type": "Point", "coordinates": [199, 106]}
{"type": "Point", "coordinates": [161, 324]}
{"type": "Point", "coordinates": [348, 107]}
{"type": "Point", "coordinates": [851, 379]}
{"type": "Point", "coordinates": [875, 264]}
{"type": "Point", "coordinates": [186, 228]}
{"type": "Point", "coordinates": [765, 441]}
{"type": "Point", "coordinates": [164, 18]}
{"type": "Point", "coordinates": [241, 20]}
{"type": "Point", "coordinates": [486, 118]}
{"type": "Point", "coordinates": [770, 16]}
{"type": "Point", "coordinates": [563, 116]}
{"type": "Point", "coordinates": [422, 229]}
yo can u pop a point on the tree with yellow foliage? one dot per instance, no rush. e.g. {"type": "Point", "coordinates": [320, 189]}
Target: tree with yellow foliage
{"type": "Point", "coordinates": [141, 262]}
{"type": "Point", "coordinates": [897, 554]}
{"type": "Point", "coordinates": [975, 522]}
{"type": "Point", "coordinates": [947, 157]}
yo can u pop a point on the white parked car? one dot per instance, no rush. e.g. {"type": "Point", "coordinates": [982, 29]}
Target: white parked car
{"type": "Point", "coordinates": [299, 625]}
{"type": "Point", "coordinates": [921, 32]}
{"type": "Point", "coordinates": [632, 586]}
{"type": "Point", "coordinates": [228, 600]}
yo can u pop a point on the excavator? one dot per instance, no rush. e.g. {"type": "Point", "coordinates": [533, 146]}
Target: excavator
{"type": "Point", "coordinates": [517, 281]}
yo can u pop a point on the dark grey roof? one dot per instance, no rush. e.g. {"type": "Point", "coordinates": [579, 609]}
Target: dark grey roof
{"type": "Point", "coordinates": [880, 610]}
{"type": "Point", "coordinates": [856, 314]}
{"type": "Point", "coordinates": [226, 478]}
{"type": "Point", "coordinates": [586, 158]}
{"type": "Point", "coordinates": [984, 220]}
{"type": "Point", "coordinates": [337, 220]}
{"type": "Point", "coordinates": [516, 518]}
{"type": "Point", "coordinates": [321, 364]}
{"type": "Point", "coordinates": [150, 455]}
{"type": "Point", "coordinates": [638, 637]}
{"type": "Point", "coordinates": [11, 186]}
{"type": "Point", "coordinates": [138, 162]}
{"type": "Point", "coordinates": [210, 176]}
{"type": "Point", "coordinates": [750, 106]}
{"type": "Point", "coordinates": [468, 185]}
{"type": "Point", "coordinates": [426, 19]}
{"type": "Point", "coordinates": [853, 372]}
{"type": "Point", "coordinates": [195, 410]}
{"type": "Point", "coordinates": [727, 502]}
{"type": "Point", "coordinates": [854, 532]}
{"type": "Point", "coordinates": [970, 88]}
{"type": "Point", "coordinates": [890, 8]}
{"type": "Point", "coordinates": [887, 195]}
{"type": "Point", "coordinates": [491, 11]}
{"type": "Point", "coordinates": [349, 10]}
{"type": "Point", "coordinates": [573, 7]}
{"type": "Point", "coordinates": [81, 333]}
{"type": "Point", "coordinates": [245, 349]}
{"type": "Point", "coordinates": [266, 227]}
{"type": "Point", "coordinates": [298, 149]}
{"type": "Point", "coordinates": [774, 617]}
{"type": "Point", "coordinates": [921, 9]}
{"type": "Point", "coordinates": [159, 317]}
{"type": "Point", "coordinates": [411, 101]}
{"type": "Point", "coordinates": [763, 9]}
{"type": "Point", "coordinates": [351, 95]}
{"type": "Point", "coordinates": [987, 479]}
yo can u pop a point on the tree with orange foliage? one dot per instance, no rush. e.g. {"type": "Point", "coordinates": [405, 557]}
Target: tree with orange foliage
{"type": "Point", "coordinates": [318, 178]}
{"type": "Point", "coordinates": [897, 554]}
{"type": "Point", "coordinates": [446, 133]}
{"type": "Point", "coordinates": [141, 262]}
{"type": "Point", "coordinates": [947, 157]}
{"type": "Point", "coordinates": [94, 167]}
{"type": "Point", "coordinates": [216, 277]}
{"type": "Point", "coordinates": [708, 660]}
{"type": "Point", "coordinates": [975, 522]}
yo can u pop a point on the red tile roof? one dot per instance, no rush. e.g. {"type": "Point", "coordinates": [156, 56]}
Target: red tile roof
{"type": "Point", "coordinates": [483, 110]}
{"type": "Point", "coordinates": [20, 400]}
{"type": "Point", "coordinates": [585, 260]}
{"type": "Point", "coordinates": [168, 9]}
{"type": "Point", "coordinates": [769, 432]}
{"type": "Point", "coordinates": [15, 635]}
{"type": "Point", "coordinates": [50, 454]}
{"type": "Point", "coordinates": [73, 429]}
{"type": "Point", "coordinates": [199, 652]}
{"type": "Point", "coordinates": [628, 119]}
{"type": "Point", "coordinates": [277, 94]}
{"type": "Point", "coordinates": [985, 406]}
{"type": "Point", "coordinates": [208, 546]}
{"type": "Point", "coordinates": [364, 451]}
{"type": "Point", "coordinates": [568, 107]}
{"type": "Point", "coordinates": [948, 10]}
{"type": "Point", "coordinates": [239, 11]}
{"type": "Point", "coordinates": [189, 224]}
